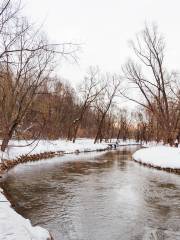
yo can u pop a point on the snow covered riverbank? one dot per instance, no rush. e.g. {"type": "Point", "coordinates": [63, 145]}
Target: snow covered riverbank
{"type": "Point", "coordinates": [160, 157]}
{"type": "Point", "coordinates": [22, 147]}
{"type": "Point", "coordinates": [14, 227]}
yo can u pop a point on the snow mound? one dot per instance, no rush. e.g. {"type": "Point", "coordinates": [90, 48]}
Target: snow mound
{"type": "Point", "coordinates": [160, 156]}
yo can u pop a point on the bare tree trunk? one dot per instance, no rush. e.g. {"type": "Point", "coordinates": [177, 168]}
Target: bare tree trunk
{"type": "Point", "coordinates": [8, 137]}
{"type": "Point", "coordinates": [118, 135]}
{"type": "Point", "coordinates": [99, 134]}
{"type": "Point", "coordinates": [77, 123]}
{"type": "Point", "coordinates": [76, 130]}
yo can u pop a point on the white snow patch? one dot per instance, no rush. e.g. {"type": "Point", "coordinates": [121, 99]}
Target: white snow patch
{"type": "Point", "coordinates": [160, 156]}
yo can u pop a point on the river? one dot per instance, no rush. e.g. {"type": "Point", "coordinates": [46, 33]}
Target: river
{"type": "Point", "coordinates": [97, 196]}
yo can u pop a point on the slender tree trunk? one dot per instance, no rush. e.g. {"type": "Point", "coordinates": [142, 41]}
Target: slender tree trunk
{"type": "Point", "coordinates": [118, 135]}
{"type": "Point", "coordinates": [78, 122]}
{"type": "Point", "coordinates": [75, 131]}
{"type": "Point", "coordinates": [99, 134]}
{"type": "Point", "coordinates": [8, 136]}
{"type": "Point", "coordinates": [5, 142]}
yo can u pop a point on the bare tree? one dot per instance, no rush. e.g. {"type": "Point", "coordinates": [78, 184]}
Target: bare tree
{"type": "Point", "coordinates": [105, 101]}
{"type": "Point", "coordinates": [26, 62]}
{"type": "Point", "coordinates": [123, 124]}
{"type": "Point", "coordinates": [89, 91]}
{"type": "Point", "coordinates": [153, 81]}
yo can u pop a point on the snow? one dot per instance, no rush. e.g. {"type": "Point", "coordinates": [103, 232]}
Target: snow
{"type": "Point", "coordinates": [159, 156]}
{"type": "Point", "coordinates": [22, 147]}
{"type": "Point", "coordinates": [14, 227]}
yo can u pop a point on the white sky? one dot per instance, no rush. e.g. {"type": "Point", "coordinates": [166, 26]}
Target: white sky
{"type": "Point", "coordinates": [104, 27]}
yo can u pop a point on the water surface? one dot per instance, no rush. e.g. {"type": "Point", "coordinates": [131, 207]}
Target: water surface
{"type": "Point", "coordinates": [99, 196]}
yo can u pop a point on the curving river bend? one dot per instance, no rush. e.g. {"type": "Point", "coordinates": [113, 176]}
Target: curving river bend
{"type": "Point", "coordinates": [97, 196]}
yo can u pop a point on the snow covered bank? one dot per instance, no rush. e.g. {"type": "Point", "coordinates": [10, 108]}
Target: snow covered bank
{"type": "Point", "coordinates": [22, 147]}
{"type": "Point", "coordinates": [14, 227]}
{"type": "Point", "coordinates": [160, 156]}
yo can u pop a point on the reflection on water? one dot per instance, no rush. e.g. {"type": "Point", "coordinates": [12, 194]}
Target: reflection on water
{"type": "Point", "coordinates": [99, 196]}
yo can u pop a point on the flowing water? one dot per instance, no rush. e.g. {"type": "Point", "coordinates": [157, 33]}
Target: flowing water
{"type": "Point", "coordinates": [97, 196]}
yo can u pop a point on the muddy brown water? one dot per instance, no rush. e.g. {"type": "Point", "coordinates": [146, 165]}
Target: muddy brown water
{"type": "Point", "coordinates": [97, 196]}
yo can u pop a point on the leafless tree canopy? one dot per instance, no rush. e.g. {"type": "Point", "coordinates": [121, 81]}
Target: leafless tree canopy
{"type": "Point", "coordinates": [27, 60]}
{"type": "Point", "coordinates": [158, 87]}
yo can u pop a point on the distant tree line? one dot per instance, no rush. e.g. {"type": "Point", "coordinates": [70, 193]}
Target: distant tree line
{"type": "Point", "coordinates": [59, 111]}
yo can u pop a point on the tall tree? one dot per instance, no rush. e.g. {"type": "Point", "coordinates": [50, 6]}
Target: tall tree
{"type": "Point", "coordinates": [26, 62]}
{"type": "Point", "coordinates": [153, 81]}
{"type": "Point", "coordinates": [89, 91]}
{"type": "Point", "coordinates": [105, 101]}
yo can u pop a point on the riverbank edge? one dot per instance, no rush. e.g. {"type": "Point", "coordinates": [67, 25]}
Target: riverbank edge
{"type": "Point", "coordinates": [10, 207]}
{"type": "Point", "coordinates": [170, 170]}
{"type": "Point", "coordinates": [9, 164]}
{"type": "Point", "coordinates": [167, 169]}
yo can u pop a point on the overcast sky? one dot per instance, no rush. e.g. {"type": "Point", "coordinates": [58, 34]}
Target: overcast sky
{"type": "Point", "coordinates": [104, 27]}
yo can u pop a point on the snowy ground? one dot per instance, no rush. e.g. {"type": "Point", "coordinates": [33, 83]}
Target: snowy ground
{"type": "Point", "coordinates": [159, 156]}
{"type": "Point", "coordinates": [18, 148]}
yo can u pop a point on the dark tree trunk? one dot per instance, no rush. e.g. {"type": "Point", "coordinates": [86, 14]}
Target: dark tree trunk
{"type": "Point", "coordinates": [76, 131]}
{"type": "Point", "coordinates": [99, 134]}
{"type": "Point", "coordinates": [8, 136]}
